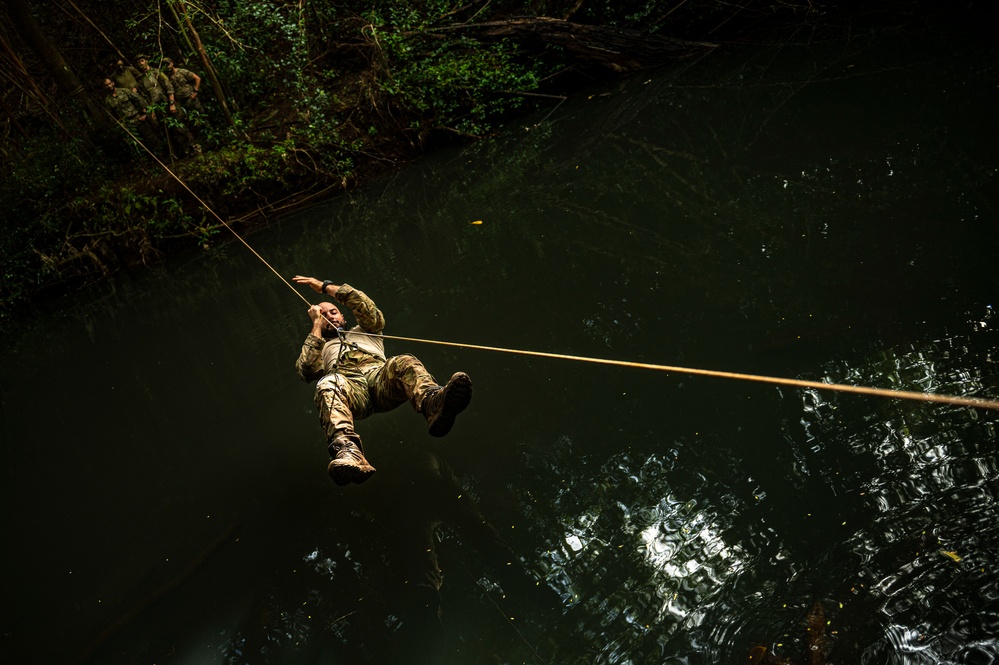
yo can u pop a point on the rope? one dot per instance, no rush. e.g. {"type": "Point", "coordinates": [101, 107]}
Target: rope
{"type": "Point", "coordinates": [205, 205]}
{"type": "Point", "coordinates": [798, 383]}
{"type": "Point", "coordinates": [774, 380]}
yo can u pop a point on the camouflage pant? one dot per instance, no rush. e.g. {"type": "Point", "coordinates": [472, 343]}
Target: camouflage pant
{"type": "Point", "coordinates": [364, 385]}
{"type": "Point", "coordinates": [146, 131]}
{"type": "Point", "coordinates": [188, 104]}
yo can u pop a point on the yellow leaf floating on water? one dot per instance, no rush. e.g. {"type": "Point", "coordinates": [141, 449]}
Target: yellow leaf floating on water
{"type": "Point", "coordinates": [953, 555]}
{"type": "Point", "coordinates": [477, 222]}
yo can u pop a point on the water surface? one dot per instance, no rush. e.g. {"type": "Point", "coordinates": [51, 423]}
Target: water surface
{"type": "Point", "coordinates": [824, 211]}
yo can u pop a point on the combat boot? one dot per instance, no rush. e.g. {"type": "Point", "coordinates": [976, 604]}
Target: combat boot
{"type": "Point", "coordinates": [348, 464]}
{"type": "Point", "coordinates": [441, 405]}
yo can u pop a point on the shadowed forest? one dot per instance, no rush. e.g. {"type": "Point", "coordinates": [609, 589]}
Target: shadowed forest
{"type": "Point", "coordinates": [295, 102]}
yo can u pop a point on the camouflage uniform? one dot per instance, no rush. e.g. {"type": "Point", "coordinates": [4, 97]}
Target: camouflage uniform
{"type": "Point", "coordinates": [158, 89]}
{"type": "Point", "coordinates": [130, 107]}
{"type": "Point", "coordinates": [355, 378]}
{"type": "Point", "coordinates": [125, 104]}
{"type": "Point", "coordinates": [126, 77]}
{"type": "Point", "coordinates": [156, 86]}
{"type": "Point", "coordinates": [183, 87]}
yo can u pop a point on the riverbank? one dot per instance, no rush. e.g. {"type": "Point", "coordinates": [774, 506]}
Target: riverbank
{"type": "Point", "coordinates": [324, 106]}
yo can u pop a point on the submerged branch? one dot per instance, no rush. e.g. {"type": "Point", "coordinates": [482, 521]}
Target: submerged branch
{"type": "Point", "coordinates": [618, 49]}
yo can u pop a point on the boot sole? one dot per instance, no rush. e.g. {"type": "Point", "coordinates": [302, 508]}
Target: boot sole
{"type": "Point", "coordinates": [343, 474]}
{"type": "Point", "coordinates": [457, 396]}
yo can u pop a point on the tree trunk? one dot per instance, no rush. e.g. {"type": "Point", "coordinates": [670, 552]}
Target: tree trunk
{"type": "Point", "coordinates": [209, 69]}
{"type": "Point", "coordinates": [182, 29]}
{"type": "Point", "coordinates": [28, 86]}
{"type": "Point", "coordinates": [31, 33]}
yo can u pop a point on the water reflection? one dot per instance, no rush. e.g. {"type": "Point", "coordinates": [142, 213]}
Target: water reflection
{"type": "Point", "coordinates": [913, 566]}
{"type": "Point", "coordinates": [679, 556]}
{"type": "Point", "coordinates": [379, 599]}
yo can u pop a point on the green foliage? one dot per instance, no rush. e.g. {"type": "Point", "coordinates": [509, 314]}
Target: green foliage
{"type": "Point", "coordinates": [315, 88]}
{"type": "Point", "coordinates": [122, 207]}
{"type": "Point", "coordinates": [47, 169]}
{"type": "Point", "coordinates": [240, 166]}
{"type": "Point", "coordinates": [462, 87]}
{"type": "Point", "coordinates": [39, 178]}
{"type": "Point", "coordinates": [270, 55]}
{"type": "Point", "coordinates": [445, 78]}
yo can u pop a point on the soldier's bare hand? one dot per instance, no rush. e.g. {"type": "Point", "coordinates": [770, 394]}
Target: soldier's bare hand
{"type": "Point", "coordinates": [313, 283]}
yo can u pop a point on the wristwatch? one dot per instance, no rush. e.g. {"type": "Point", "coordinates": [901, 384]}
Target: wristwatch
{"type": "Point", "coordinates": [326, 283]}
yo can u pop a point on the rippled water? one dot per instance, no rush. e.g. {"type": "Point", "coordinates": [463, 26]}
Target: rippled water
{"type": "Point", "coordinates": [823, 211]}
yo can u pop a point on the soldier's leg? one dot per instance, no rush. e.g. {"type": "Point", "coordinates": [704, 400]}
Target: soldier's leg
{"type": "Point", "coordinates": [339, 399]}
{"type": "Point", "coordinates": [182, 133]}
{"type": "Point", "coordinates": [192, 104]}
{"type": "Point", "coordinates": [186, 140]}
{"type": "Point", "coordinates": [147, 133]}
{"type": "Point", "coordinates": [405, 378]}
{"type": "Point", "coordinates": [402, 378]}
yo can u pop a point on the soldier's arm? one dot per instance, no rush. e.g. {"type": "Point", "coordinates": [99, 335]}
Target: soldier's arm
{"type": "Point", "coordinates": [309, 365]}
{"type": "Point", "coordinates": [137, 102]}
{"type": "Point", "coordinates": [167, 86]}
{"type": "Point", "coordinates": [368, 316]}
{"type": "Point", "coordinates": [195, 80]}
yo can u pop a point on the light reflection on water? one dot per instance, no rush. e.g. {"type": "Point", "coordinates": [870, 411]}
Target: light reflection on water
{"type": "Point", "coordinates": [933, 506]}
{"type": "Point", "coordinates": [658, 574]}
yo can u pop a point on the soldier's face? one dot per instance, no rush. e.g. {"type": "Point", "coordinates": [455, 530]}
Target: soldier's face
{"type": "Point", "coordinates": [143, 65]}
{"type": "Point", "coordinates": [332, 319]}
{"type": "Point", "coordinates": [109, 84]}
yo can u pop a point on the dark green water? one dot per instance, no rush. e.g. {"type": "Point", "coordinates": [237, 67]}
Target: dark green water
{"type": "Point", "coordinates": [823, 211]}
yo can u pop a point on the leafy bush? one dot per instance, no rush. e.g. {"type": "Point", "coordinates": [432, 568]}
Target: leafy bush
{"type": "Point", "coordinates": [445, 78]}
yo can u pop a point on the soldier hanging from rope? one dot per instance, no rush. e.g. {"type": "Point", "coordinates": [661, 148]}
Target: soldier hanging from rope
{"type": "Point", "coordinates": [356, 379]}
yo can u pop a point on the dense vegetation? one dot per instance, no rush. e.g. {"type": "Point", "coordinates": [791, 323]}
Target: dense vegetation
{"type": "Point", "coordinates": [309, 98]}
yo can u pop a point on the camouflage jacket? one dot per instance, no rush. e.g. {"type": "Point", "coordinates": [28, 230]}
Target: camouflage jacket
{"type": "Point", "coordinates": [126, 77]}
{"type": "Point", "coordinates": [125, 104]}
{"type": "Point", "coordinates": [157, 86]}
{"type": "Point", "coordinates": [354, 351]}
{"type": "Point", "coordinates": [183, 83]}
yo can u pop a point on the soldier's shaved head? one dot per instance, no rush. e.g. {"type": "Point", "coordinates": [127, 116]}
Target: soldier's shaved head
{"type": "Point", "coordinates": [332, 319]}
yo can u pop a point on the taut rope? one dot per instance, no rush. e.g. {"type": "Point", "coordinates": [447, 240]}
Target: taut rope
{"type": "Point", "coordinates": [205, 205]}
{"type": "Point", "coordinates": [774, 380]}
{"type": "Point", "coordinates": [799, 383]}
